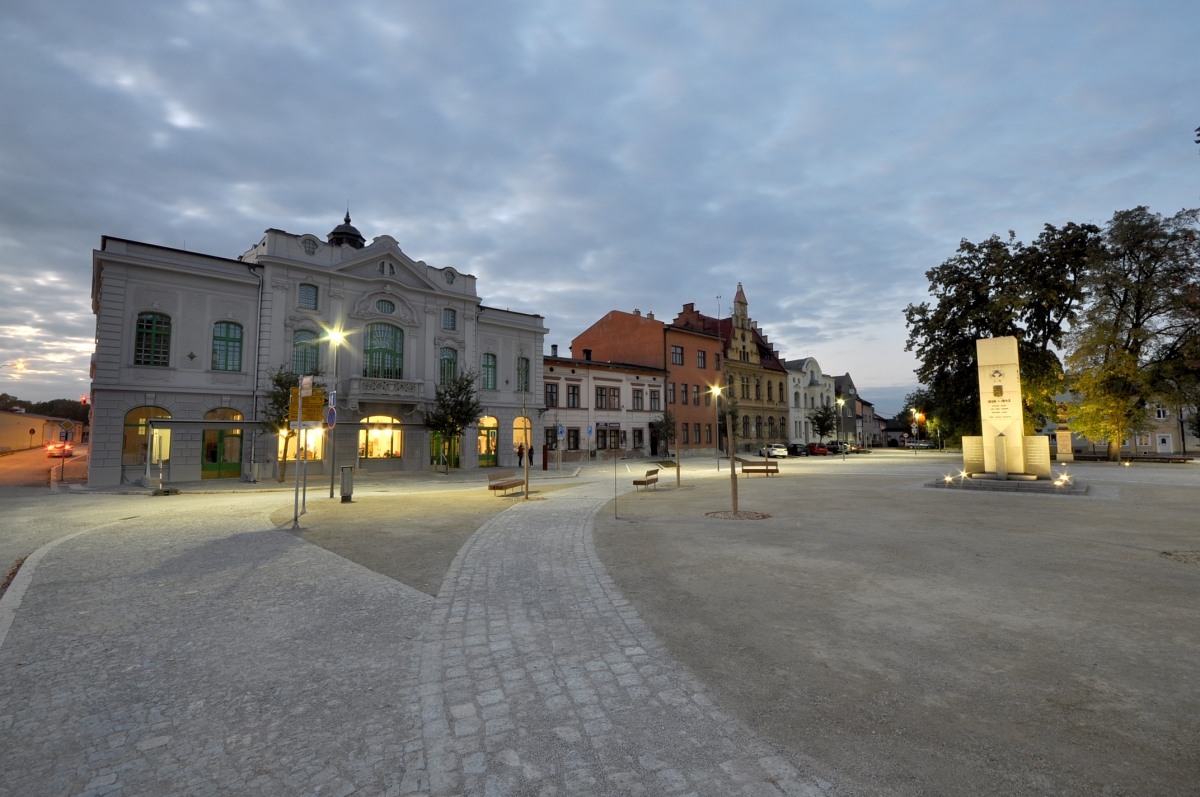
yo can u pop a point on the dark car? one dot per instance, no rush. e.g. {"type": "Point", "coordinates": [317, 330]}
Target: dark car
{"type": "Point", "coordinates": [837, 447]}
{"type": "Point", "coordinates": [817, 449]}
{"type": "Point", "coordinates": [798, 450]}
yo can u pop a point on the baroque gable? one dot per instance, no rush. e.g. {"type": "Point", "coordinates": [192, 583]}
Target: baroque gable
{"type": "Point", "coordinates": [367, 307]}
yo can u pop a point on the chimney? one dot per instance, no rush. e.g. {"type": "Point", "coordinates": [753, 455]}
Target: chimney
{"type": "Point", "coordinates": [587, 354]}
{"type": "Point", "coordinates": [689, 308]}
{"type": "Point", "coordinates": [637, 312]}
{"type": "Point", "coordinates": [553, 349]}
{"type": "Point", "coordinates": [650, 316]}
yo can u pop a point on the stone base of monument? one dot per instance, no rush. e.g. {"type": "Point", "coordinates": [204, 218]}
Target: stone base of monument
{"type": "Point", "coordinates": [1011, 485]}
{"type": "Point", "coordinates": [1020, 477]}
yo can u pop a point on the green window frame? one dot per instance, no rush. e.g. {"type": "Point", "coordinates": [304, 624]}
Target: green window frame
{"type": "Point", "coordinates": [304, 352]}
{"type": "Point", "coordinates": [308, 297]}
{"type": "Point", "coordinates": [449, 319]}
{"type": "Point", "coordinates": [152, 342]}
{"type": "Point", "coordinates": [522, 374]}
{"type": "Point", "coordinates": [383, 352]}
{"type": "Point", "coordinates": [447, 366]}
{"type": "Point", "coordinates": [489, 371]}
{"type": "Point", "coordinates": [227, 346]}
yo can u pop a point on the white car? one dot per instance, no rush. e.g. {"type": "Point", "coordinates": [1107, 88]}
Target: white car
{"type": "Point", "coordinates": [774, 451]}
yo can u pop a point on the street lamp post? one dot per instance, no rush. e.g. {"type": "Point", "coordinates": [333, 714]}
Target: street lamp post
{"type": "Point", "coordinates": [841, 443]}
{"type": "Point", "coordinates": [716, 392]}
{"type": "Point", "coordinates": [335, 340]}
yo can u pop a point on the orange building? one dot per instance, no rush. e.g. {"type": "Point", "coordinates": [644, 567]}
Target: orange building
{"type": "Point", "coordinates": [691, 354]}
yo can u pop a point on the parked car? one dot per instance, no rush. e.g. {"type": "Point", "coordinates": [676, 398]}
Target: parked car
{"type": "Point", "coordinates": [860, 450]}
{"type": "Point", "coordinates": [837, 447]}
{"type": "Point", "coordinates": [59, 450]}
{"type": "Point", "coordinates": [773, 450]}
{"type": "Point", "coordinates": [920, 444]}
{"type": "Point", "coordinates": [817, 449]}
{"type": "Point", "coordinates": [798, 450]}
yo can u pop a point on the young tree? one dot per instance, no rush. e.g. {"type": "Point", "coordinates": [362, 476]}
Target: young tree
{"type": "Point", "coordinates": [275, 417]}
{"type": "Point", "coordinates": [665, 432]}
{"type": "Point", "coordinates": [456, 406]}
{"type": "Point", "coordinates": [1137, 328]}
{"type": "Point", "coordinates": [824, 420]}
{"type": "Point", "coordinates": [996, 288]}
{"type": "Point", "coordinates": [727, 413]}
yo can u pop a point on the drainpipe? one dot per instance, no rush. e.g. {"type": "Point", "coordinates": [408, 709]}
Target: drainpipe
{"type": "Point", "coordinates": [257, 353]}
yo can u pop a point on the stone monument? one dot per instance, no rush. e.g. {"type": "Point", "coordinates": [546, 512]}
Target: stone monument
{"type": "Point", "coordinates": [1003, 451]}
{"type": "Point", "coordinates": [1066, 452]}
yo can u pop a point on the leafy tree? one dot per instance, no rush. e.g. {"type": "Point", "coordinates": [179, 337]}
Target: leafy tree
{"type": "Point", "coordinates": [997, 288]}
{"type": "Point", "coordinates": [824, 420]}
{"type": "Point", "coordinates": [61, 408]}
{"type": "Point", "coordinates": [456, 406]}
{"type": "Point", "coordinates": [665, 430]}
{"type": "Point", "coordinates": [1139, 327]}
{"type": "Point", "coordinates": [275, 418]}
{"type": "Point", "coordinates": [10, 403]}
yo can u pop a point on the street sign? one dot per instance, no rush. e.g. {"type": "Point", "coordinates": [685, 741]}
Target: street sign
{"type": "Point", "coordinates": [560, 430]}
{"type": "Point", "coordinates": [329, 414]}
{"type": "Point", "coordinates": [312, 405]}
{"type": "Point", "coordinates": [306, 386]}
{"type": "Point", "coordinates": [332, 399]}
{"type": "Point", "coordinates": [67, 425]}
{"type": "Point", "coordinates": [914, 428]}
{"type": "Point", "coordinates": [589, 430]}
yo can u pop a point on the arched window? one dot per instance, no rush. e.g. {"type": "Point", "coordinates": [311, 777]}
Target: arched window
{"type": "Point", "coordinates": [133, 449]}
{"type": "Point", "coordinates": [770, 424]}
{"type": "Point", "coordinates": [304, 352]}
{"type": "Point", "coordinates": [522, 433]}
{"type": "Point", "coordinates": [770, 391]}
{"type": "Point", "coordinates": [308, 297]}
{"type": "Point", "coordinates": [523, 374]}
{"type": "Point", "coordinates": [745, 426]}
{"type": "Point", "coordinates": [381, 440]}
{"type": "Point", "coordinates": [783, 427]}
{"type": "Point", "coordinates": [383, 352]}
{"type": "Point", "coordinates": [758, 426]}
{"type": "Point", "coordinates": [447, 367]}
{"type": "Point", "coordinates": [488, 371]}
{"type": "Point", "coordinates": [152, 343]}
{"type": "Point", "coordinates": [227, 346]}
{"type": "Point", "coordinates": [796, 398]}
{"type": "Point", "coordinates": [758, 390]}
{"type": "Point", "coordinates": [782, 395]}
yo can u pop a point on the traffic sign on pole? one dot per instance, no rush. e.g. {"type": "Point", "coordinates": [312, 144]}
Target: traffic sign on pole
{"type": "Point", "coordinates": [330, 416]}
{"type": "Point", "coordinates": [560, 430]}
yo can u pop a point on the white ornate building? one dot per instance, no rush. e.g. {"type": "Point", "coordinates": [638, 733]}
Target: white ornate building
{"type": "Point", "coordinates": [808, 389]}
{"type": "Point", "coordinates": [186, 343]}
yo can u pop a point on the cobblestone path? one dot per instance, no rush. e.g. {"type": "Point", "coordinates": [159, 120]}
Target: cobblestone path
{"type": "Point", "coordinates": [537, 678]}
{"type": "Point", "coordinates": [205, 655]}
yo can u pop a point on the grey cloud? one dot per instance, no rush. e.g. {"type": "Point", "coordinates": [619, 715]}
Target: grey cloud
{"type": "Point", "coordinates": [581, 157]}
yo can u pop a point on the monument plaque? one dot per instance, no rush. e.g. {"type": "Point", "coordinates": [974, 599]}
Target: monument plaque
{"type": "Point", "coordinates": [1037, 456]}
{"type": "Point", "coordinates": [1000, 402]}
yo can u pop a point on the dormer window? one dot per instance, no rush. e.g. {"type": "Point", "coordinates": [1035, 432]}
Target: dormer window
{"type": "Point", "coordinates": [310, 246]}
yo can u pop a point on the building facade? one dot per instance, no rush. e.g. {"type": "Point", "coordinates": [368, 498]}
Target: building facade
{"type": "Point", "coordinates": [606, 410]}
{"type": "Point", "coordinates": [187, 343]}
{"type": "Point", "coordinates": [810, 389]}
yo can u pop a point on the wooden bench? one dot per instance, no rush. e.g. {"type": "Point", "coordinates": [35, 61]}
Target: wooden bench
{"type": "Point", "coordinates": [505, 480]}
{"type": "Point", "coordinates": [650, 478]}
{"type": "Point", "coordinates": [767, 467]}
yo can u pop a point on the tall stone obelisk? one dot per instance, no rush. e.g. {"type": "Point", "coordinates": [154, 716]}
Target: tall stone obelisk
{"type": "Point", "coordinates": [1000, 402]}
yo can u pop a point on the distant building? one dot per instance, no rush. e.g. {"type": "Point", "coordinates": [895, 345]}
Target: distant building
{"type": "Point", "coordinates": [811, 389]}
{"type": "Point", "coordinates": [20, 431]}
{"type": "Point", "coordinates": [605, 409]}
{"type": "Point", "coordinates": [849, 427]}
{"type": "Point", "coordinates": [185, 343]}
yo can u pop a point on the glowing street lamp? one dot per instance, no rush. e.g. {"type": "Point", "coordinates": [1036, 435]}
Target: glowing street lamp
{"type": "Point", "coordinates": [841, 402]}
{"type": "Point", "coordinates": [335, 337]}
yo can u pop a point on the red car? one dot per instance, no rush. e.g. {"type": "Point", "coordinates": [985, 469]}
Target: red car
{"type": "Point", "coordinates": [59, 450]}
{"type": "Point", "coordinates": [817, 449]}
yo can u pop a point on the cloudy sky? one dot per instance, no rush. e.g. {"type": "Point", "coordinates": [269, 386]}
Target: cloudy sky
{"type": "Point", "coordinates": [584, 156]}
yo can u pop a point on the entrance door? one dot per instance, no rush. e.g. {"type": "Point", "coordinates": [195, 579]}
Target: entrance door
{"type": "Point", "coordinates": [1164, 443]}
{"type": "Point", "coordinates": [441, 451]}
{"type": "Point", "coordinates": [222, 447]}
{"type": "Point", "coordinates": [489, 430]}
{"type": "Point", "coordinates": [653, 442]}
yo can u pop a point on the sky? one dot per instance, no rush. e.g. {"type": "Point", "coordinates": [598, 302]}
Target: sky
{"type": "Point", "coordinates": [580, 157]}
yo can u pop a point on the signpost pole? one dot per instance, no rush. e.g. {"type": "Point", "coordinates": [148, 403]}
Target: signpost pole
{"type": "Point", "coordinates": [296, 502]}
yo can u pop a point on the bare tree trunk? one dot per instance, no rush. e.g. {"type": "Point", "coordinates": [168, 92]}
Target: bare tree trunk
{"type": "Point", "coordinates": [677, 482]}
{"type": "Point", "coordinates": [732, 464]}
{"type": "Point", "coordinates": [283, 462]}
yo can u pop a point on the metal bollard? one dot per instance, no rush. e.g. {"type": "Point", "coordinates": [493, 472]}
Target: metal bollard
{"type": "Point", "coordinates": [347, 484]}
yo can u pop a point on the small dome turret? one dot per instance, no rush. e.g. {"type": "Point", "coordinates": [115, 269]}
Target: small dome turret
{"type": "Point", "coordinates": [346, 233]}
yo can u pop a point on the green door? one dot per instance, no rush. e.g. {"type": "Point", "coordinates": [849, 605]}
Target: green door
{"type": "Point", "coordinates": [222, 454]}
{"type": "Point", "coordinates": [440, 451]}
{"type": "Point", "coordinates": [487, 447]}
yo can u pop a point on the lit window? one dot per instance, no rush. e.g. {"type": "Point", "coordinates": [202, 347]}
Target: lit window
{"type": "Point", "coordinates": [382, 440]}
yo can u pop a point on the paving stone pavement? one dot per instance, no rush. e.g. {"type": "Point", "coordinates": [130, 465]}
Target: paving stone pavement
{"type": "Point", "coordinates": [216, 657]}
{"type": "Point", "coordinates": [537, 678]}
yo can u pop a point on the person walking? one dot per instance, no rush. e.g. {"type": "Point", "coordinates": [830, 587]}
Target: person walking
{"type": "Point", "coordinates": [521, 455]}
